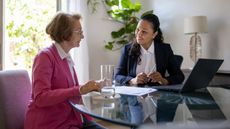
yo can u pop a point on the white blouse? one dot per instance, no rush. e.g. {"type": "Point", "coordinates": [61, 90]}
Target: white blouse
{"type": "Point", "coordinates": [148, 63]}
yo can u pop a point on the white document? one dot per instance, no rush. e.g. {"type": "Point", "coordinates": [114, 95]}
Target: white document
{"type": "Point", "coordinates": [135, 91]}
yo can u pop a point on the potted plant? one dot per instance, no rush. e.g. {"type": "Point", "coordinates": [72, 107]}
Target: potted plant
{"type": "Point", "coordinates": [122, 11]}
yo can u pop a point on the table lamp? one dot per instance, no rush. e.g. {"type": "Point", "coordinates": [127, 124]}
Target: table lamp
{"type": "Point", "coordinates": [194, 25]}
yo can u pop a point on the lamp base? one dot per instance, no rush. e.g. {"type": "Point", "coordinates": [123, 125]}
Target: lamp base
{"type": "Point", "coordinates": [195, 48]}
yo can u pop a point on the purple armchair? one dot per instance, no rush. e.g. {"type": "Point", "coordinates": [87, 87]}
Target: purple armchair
{"type": "Point", "coordinates": [15, 91]}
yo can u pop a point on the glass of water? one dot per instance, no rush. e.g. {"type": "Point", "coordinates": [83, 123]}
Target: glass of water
{"type": "Point", "coordinates": [107, 76]}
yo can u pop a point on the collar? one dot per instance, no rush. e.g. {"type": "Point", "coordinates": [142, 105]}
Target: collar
{"type": "Point", "coordinates": [150, 50]}
{"type": "Point", "coordinates": [63, 54]}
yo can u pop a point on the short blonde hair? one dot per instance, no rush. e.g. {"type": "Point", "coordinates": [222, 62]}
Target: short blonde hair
{"type": "Point", "coordinates": [61, 26]}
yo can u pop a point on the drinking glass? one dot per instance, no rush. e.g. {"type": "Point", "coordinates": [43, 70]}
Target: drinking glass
{"type": "Point", "coordinates": [107, 76]}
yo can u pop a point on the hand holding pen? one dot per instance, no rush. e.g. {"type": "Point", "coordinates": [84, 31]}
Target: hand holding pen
{"type": "Point", "coordinates": [155, 76]}
{"type": "Point", "coordinates": [141, 78]}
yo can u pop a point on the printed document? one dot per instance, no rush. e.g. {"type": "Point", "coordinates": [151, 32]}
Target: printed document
{"type": "Point", "coordinates": [135, 91]}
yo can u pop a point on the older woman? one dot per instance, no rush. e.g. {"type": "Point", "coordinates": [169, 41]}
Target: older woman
{"type": "Point", "coordinates": [54, 80]}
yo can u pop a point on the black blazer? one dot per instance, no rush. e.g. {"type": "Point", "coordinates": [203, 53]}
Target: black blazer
{"type": "Point", "coordinates": [165, 60]}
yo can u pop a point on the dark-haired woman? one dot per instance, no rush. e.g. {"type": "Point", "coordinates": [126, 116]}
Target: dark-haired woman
{"type": "Point", "coordinates": [146, 60]}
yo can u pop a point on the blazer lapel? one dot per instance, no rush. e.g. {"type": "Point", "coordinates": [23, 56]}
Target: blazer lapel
{"type": "Point", "coordinates": [75, 77]}
{"type": "Point", "coordinates": [63, 65]}
{"type": "Point", "coordinates": [132, 65]}
{"type": "Point", "coordinates": [158, 56]}
{"type": "Point", "coordinates": [67, 72]}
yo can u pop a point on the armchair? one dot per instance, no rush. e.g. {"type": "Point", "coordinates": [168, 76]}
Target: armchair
{"type": "Point", "coordinates": [15, 91]}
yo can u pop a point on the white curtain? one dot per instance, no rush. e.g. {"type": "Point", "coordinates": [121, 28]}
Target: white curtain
{"type": "Point", "coordinates": [80, 55]}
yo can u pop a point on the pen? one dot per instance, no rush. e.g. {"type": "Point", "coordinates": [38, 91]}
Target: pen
{"type": "Point", "coordinates": [154, 70]}
{"type": "Point", "coordinates": [154, 103]}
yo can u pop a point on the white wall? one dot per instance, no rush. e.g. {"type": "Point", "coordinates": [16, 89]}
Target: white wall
{"type": "Point", "coordinates": [171, 14]}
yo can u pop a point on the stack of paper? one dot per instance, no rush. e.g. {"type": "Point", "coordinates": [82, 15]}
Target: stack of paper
{"type": "Point", "coordinates": [135, 91]}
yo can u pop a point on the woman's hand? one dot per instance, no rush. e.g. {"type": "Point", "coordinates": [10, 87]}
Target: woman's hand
{"type": "Point", "coordinates": [156, 77]}
{"type": "Point", "coordinates": [105, 82]}
{"type": "Point", "coordinates": [141, 78]}
{"type": "Point", "coordinates": [90, 86]}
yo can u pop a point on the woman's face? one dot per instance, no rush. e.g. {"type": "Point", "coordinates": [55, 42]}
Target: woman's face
{"type": "Point", "coordinates": [145, 33]}
{"type": "Point", "coordinates": [77, 35]}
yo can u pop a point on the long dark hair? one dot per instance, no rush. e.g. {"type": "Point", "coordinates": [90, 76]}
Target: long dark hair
{"type": "Point", "coordinates": [153, 19]}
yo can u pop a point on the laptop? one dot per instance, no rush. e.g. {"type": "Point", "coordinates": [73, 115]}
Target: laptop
{"type": "Point", "coordinates": [200, 76]}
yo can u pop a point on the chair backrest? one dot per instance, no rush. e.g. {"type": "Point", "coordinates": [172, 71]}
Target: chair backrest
{"type": "Point", "coordinates": [179, 59]}
{"type": "Point", "coordinates": [15, 92]}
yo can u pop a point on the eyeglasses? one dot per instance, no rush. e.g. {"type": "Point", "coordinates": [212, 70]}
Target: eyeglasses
{"type": "Point", "coordinates": [79, 32]}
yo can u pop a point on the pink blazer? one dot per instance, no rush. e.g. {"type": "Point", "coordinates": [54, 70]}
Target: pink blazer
{"type": "Point", "coordinates": [52, 86]}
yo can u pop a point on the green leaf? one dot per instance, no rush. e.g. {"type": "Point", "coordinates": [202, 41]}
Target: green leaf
{"type": "Point", "coordinates": [137, 7]}
{"type": "Point", "coordinates": [109, 45]}
{"type": "Point", "coordinates": [112, 2]}
{"type": "Point", "coordinates": [130, 28]}
{"type": "Point", "coordinates": [122, 42]}
{"type": "Point", "coordinates": [126, 3]}
{"type": "Point", "coordinates": [117, 34]}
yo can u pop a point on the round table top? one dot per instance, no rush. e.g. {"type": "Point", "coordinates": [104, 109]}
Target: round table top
{"type": "Point", "coordinates": [158, 107]}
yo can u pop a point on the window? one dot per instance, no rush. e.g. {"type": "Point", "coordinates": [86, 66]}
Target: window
{"type": "Point", "coordinates": [25, 23]}
{"type": "Point", "coordinates": [22, 32]}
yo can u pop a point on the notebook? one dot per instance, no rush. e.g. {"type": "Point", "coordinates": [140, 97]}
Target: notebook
{"type": "Point", "coordinates": [200, 76]}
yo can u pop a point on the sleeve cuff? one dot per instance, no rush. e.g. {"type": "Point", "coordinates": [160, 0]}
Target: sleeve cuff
{"type": "Point", "coordinates": [126, 82]}
{"type": "Point", "coordinates": [75, 92]}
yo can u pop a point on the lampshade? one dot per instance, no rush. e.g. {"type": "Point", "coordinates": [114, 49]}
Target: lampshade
{"type": "Point", "coordinates": [195, 24]}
